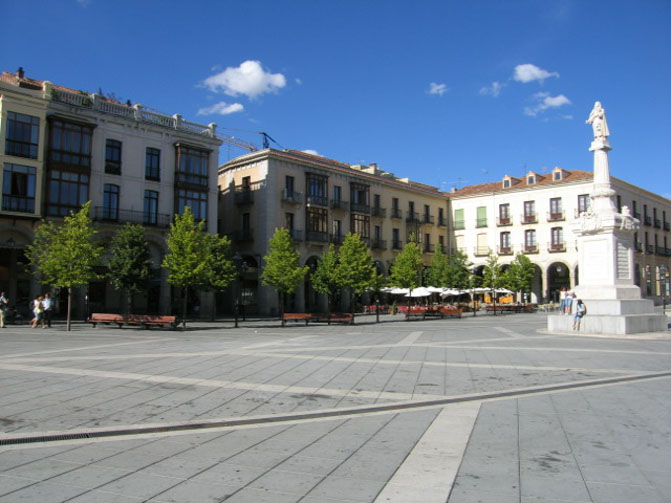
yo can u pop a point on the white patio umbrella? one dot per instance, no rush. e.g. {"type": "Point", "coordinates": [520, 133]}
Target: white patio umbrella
{"type": "Point", "coordinates": [450, 292]}
{"type": "Point", "coordinates": [503, 290]}
{"type": "Point", "coordinates": [399, 291]}
{"type": "Point", "coordinates": [435, 289]}
{"type": "Point", "coordinates": [419, 292]}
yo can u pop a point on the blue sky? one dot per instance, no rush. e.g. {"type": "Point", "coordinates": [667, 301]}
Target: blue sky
{"type": "Point", "coordinates": [449, 93]}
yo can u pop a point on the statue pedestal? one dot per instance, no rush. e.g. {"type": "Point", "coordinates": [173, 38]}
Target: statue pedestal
{"type": "Point", "coordinates": [606, 262]}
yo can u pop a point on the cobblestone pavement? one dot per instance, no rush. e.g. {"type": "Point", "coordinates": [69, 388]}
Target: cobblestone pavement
{"type": "Point", "coordinates": [480, 409]}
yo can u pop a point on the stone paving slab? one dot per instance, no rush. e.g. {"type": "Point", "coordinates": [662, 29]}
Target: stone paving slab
{"type": "Point", "coordinates": [597, 441]}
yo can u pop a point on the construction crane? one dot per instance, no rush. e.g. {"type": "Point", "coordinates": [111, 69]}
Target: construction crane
{"type": "Point", "coordinates": [265, 138]}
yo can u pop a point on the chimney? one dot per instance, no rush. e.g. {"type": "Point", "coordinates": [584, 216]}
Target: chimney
{"type": "Point", "coordinates": [19, 73]}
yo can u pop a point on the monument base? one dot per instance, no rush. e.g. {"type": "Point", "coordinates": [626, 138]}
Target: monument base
{"type": "Point", "coordinates": [616, 325]}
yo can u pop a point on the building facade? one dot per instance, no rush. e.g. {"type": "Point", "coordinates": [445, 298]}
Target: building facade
{"type": "Point", "coordinates": [320, 200]}
{"type": "Point", "coordinates": [532, 215]}
{"type": "Point", "coordinates": [60, 148]}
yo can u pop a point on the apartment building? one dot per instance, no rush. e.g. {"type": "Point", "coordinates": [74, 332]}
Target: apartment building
{"type": "Point", "coordinates": [60, 148]}
{"type": "Point", "coordinates": [532, 215]}
{"type": "Point", "coordinates": [321, 200]}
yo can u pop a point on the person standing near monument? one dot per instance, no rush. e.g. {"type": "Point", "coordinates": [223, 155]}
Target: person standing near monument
{"type": "Point", "coordinates": [47, 304]}
{"type": "Point", "coordinates": [580, 311]}
{"type": "Point", "coordinates": [4, 305]}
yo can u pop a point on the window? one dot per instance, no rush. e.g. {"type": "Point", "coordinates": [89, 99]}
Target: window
{"type": "Point", "coordinates": [584, 203]}
{"type": "Point", "coordinates": [337, 231]}
{"type": "Point", "coordinates": [194, 199]}
{"type": "Point", "coordinates": [192, 165]}
{"type": "Point", "coordinates": [337, 193]}
{"type": "Point", "coordinates": [152, 164]}
{"type": "Point", "coordinates": [531, 179]}
{"type": "Point", "coordinates": [441, 242]}
{"type": "Point", "coordinates": [396, 239]}
{"type": "Point", "coordinates": [504, 214]}
{"type": "Point", "coordinates": [150, 207]}
{"type": "Point", "coordinates": [556, 212]}
{"type": "Point", "coordinates": [376, 199]}
{"type": "Point", "coordinates": [113, 157]}
{"type": "Point", "coordinates": [246, 222]}
{"type": "Point", "coordinates": [556, 176]}
{"type": "Point", "coordinates": [529, 211]}
{"type": "Point", "coordinates": [482, 246]}
{"type": "Point", "coordinates": [289, 185]}
{"type": "Point", "coordinates": [441, 217]}
{"type": "Point", "coordinates": [316, 224]}
{"type": "Point", "coordinates": [395, 210]}
{"type": "Point", "coordinates": [18, 188]}
{"type": "Point", "coordinates": [69, 145]}
{"type": "Point", "coordinates": [506, 183]}
{"type": "Point", "coordinates": [23, 133]}
{"type": "Point", "coordinates": [619, 203]}
{"type": "Point", "coordinates": [459, 219]}
{"type": "Point", "coordinates": [481, 216]}
{"type": "Point", "coordinates": [504, 243]}
{"type": "Point", "coordinates": [556, 238]}
{"type": "Point", "coordinates": [360, 197]}
{"type": "Point", "coordinates": [530, 244]}
{"type": "Point", "coordinates": [66, 192]}
{"type": "Point", "coordinates": [428, 247]}
{"type": "Point", "coordinates": [361, 226]}
{"type": "Point", "coordinates": [289, 221]}
{"type": "Point", "coordinates": [317, 189]}
{"type": "Point", "coordinates": [111, 202]}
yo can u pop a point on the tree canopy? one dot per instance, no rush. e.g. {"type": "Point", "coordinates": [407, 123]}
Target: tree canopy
{"type": "Point", "coordinates": [407, 268]}
{"type": "Point", "coordinates": [355, 270]}
{"type": "Point", "coordinates": [439, 274]}
{"type": "Point", "coordinates": [66, 255]}
{"type": "Point", "coordinates": [325, 277]}
{"type": "Point", "coordinates": [521, 273]}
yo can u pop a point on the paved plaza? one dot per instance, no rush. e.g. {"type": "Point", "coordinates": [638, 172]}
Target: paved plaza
{"type": "Point", "coordinates": [479, 409]}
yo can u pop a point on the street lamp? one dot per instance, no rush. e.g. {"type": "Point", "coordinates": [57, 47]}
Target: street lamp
{"type": "Point", "coordinates": [237, 261]}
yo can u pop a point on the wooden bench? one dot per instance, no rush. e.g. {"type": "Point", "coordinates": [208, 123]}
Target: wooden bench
{"type": "Point", "coordinates": [341, 318]}
{"type": "Point", "coordinates": [453, 312]}
{"type": "Point", "coordinates": [106, 318]}
{"type": "Point", "coordinates": [147, 320]}
{"type": "Point", "coordinates": [415, 312]}
{"type": "Point", "coordinates": [296, 317]}
{"type": "Point", "coordinates": [133, 319]}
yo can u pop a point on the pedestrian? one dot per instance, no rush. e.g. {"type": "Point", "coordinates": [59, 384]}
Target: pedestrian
{"type": "Point", "coordinates": [48, 304]}
{"type": "Point", "coordinates": [38, 311]}
{"type": "Point", "coordinates": [568, 303]}
{"type": "Point", "coordinates": [562, 301]}
{"type": "Point", "coordinates": [580, 311]}
{"type": "Point", "coordinates": [4, 306]}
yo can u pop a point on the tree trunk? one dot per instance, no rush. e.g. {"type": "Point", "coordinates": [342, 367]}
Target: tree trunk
{"type": "Point", "coordinates": [129, 302]}
{"type": "Point", "coordinates": [69, 307]}
{"type": "Point", "coordinates": [281, 302]}
{"type": "Point", "coordinates": [185, 297]}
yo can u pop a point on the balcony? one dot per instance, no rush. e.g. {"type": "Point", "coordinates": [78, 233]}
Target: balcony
{"type": "Point", "coordinates": [531, 218]}
{"type": "Point", "coordinates": [481, 222]}
{"type": "Point", "coordinates": [317, 201]}
{"type": "Point", "coordinates": [103, 214]}
{"type": "Point", "coordinates": [360, 208]}
{"type": "Point", "coordinates": [396, 244]}
{"type": "Point", "coordinates": [556, 247]}
{"type": "Point", "coordinates": [412, 216]}
{"type": "Point", "coordinates": [504, 221]}
{"type": "Point", "coordinates": [376, 211]}
{"type": "Point", "coordinates": [636, 215]}
{"type": "Point", "coordinates": [337, 204]}
{"type": "Point", "coordinates": [291, 197]}
{"type": "Point", "coordinates": [296, 235]}
{"type": "Point", "coordinates": [317, 237]}
{"type": "Point", "coordinates": [442, 222]}
{"type": "Point", "coordinates": [481, 251]}
{"type": "Point", "coordinates": [530, 249]}
{"type": "Point", "coordinates": [336, 239]}
{"type": "Point", "coordinates": [22, 204]}
{"type": "Point", "coordinates": [666, 226]}
{"type": "Point", "coordinates": [555, 217]}
{"type": "Point", "coordinates": [647, 220]}
{"type": "Point", "coordinates": [660, 250]}
{"type": "Point", "coordinates": [429, 248]}
{"type": "Point", "coordinates": [396, 213]}
{"type": "Point", "coordinates": [505, 250]}
{"type": "Point", "coordinates": [243, 195]}
{"type": "Point", "coordinates": [428, 219]}
{"type": "Point", "coordinates": [378, 244]}
{"type": "Point", "coordinates": [649, 249]}
{"type": "Point", "coordinates": [459, 225]}
{"type": "Point", "coordinates": [657, 223]}
{"type": "Point", "coordinates": [582, 210]}
{"type": "Point", "coordinates": [638, 247]}
{"type": "Point", "coordinates": [243, 235]}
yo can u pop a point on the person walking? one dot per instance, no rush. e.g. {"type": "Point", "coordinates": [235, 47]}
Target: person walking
{"type": "Point", "coordinates": [4, 306]}
{"type": "Point", "coordinates": [580, 311]}
{"type": "Point", "coordinates": [568, 302]}
{"type": "Point", "coordinates": [48, 304]}
{"type": "Point", "coordinates": [38, 311]}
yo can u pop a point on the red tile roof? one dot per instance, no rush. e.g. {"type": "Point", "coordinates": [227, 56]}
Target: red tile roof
{"type": "Point", "coordinates": [517, 183]}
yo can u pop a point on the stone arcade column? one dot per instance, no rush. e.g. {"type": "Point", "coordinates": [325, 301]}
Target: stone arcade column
{"type": "Point", "coordinates": [606, 257]}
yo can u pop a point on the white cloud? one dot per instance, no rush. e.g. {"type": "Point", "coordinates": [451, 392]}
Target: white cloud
{"type": "Point", "coordinates": [84, 3]}
{"type": "Point", "coordinates": [492, 90]}
{"type": "Point", "coordinates": [221, 108]}
{"type": "Point", "coordinates": [438, 89]}
{"type": "Point", "coordinates": [249, 79]}
{"type": "Point", "coordinates": [299, 81]}
{"type": "Point", "coordinates": [544, 101]}
{"type": "Point", "coordinates": [312, 152]}
{"type": "Point", "coordinates": [528, 73]}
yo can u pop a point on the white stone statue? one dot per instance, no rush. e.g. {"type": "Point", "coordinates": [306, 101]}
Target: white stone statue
{"type": "Point", "coordinates": [597, 118]}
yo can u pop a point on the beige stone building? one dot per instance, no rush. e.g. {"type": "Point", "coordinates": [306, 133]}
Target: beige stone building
{"type": "Point", "coordinates": [60, 148]}
{"type": "Point", "coordinates": [320, 200]}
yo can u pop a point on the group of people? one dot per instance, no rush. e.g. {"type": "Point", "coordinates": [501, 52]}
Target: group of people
{"type": "Point", "coordinates": [566, 307]}
{"type": "Point", "coordinates": [42, 308]}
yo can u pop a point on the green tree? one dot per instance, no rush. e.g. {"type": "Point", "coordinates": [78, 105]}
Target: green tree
{"type": "Point", "coordinates": [325, 277]}
{"type": "Point", "coordinates": [282, 270]}
{"type": "Point", "coordinates": [459, 271]}
{"type": "Point", "coordinates": [66, 255]}
{"type": "Point", "coordinates": [188, 258]}
{"type": "Point", "coordinates": [406, 271]}
{"type": "Point", "coordinates": [493, 275]}
{"type": "Point", "coordinates": [355, 270]}
{"type": "Point", "coordinates": [220, 271]}
{"type": "Point", "coordinates": [520, 274]}
{"type": "Point", "coordinates": [439, 273]}
{"type": "Point", "coordinates": [130, 264]}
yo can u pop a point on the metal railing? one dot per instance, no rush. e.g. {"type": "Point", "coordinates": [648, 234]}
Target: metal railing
{"type": "Point", "coordinates": [291, 197]}
{"type": "Point", "coordinates": [106, 214]}
{"type": "Point", "coordinates": [554, 217]}
{"type": "Point", "coordinates": [531, 218]}
{"type": "Point", "coordinates": [317, 236]}
{"type": "Point", "coordinates": [376, 211]}
{"type": "Point", "coordinates": [396, 213]}
{"type": "Point", "coordinates": [359, 208]}
{"type": "Point", "coordinates": [337, 204]}
{"type": "Point", "coordinates": [502, 221]}
{"type": "Point", "coordinates": [378, 244]}
{"type": "Point", "coordinates": [317, 200]}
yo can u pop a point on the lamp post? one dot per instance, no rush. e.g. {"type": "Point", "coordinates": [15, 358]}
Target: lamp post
{"type": "Point", "coordinates": [237, 260]}
{"type": "Point", "coordinates": [377, 310]}
{"type": "Point", "coordinates": [243, 270]}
